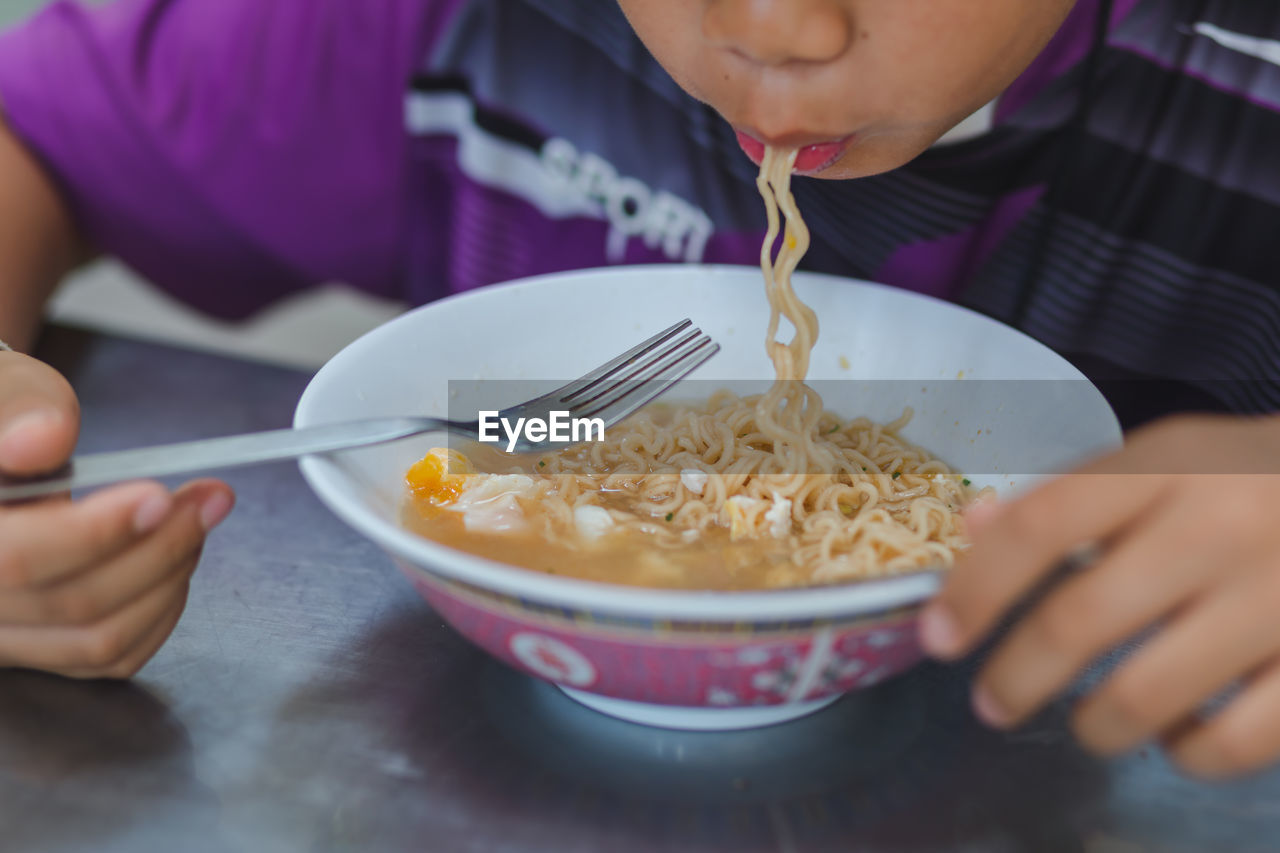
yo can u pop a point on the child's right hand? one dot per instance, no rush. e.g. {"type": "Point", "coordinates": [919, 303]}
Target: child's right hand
{"type": "Point", "coordinates": [92, 588]}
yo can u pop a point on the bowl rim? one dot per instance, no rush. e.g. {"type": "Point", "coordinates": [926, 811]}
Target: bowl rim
{"type": "Point", "coordinates": [836, 601]}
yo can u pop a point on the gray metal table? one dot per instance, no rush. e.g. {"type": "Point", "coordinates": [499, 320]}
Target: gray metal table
{"type": "Point", "coordinates": [309, 700]}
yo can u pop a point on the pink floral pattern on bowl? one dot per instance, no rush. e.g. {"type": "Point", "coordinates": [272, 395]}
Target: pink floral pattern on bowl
{"type": "Point", "coordinates": [689, 664]}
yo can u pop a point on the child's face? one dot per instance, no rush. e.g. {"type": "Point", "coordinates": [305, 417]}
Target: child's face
{"type": "Point", "coordinates": [869, 84]}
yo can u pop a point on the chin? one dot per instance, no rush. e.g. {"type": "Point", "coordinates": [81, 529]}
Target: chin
{"type": "Point", "coordinates": [875, 156]}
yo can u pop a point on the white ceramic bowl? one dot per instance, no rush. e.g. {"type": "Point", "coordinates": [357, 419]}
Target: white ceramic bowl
{"type": "Point", "coordinates": [680, 658]}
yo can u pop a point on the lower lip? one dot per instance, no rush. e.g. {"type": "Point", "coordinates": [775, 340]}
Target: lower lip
{"type": "Point", "coordinates": [809, 159]}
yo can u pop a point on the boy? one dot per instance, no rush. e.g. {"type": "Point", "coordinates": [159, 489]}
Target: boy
{"type": "Point", "coordinates": [1119, 207]}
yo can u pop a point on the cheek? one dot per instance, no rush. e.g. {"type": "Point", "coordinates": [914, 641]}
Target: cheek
{"type": "Point", "coordinates": [934, 66]}
{"type": "Point", "coordinates": [671, 31]}
{"type": "Point", "coordinates": [930, 71]}
{"type": "Point", "coordinates": [1001, 38]}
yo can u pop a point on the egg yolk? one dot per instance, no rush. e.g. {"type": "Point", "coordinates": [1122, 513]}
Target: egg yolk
{"type": "Point", "coordinates": [439, 477]}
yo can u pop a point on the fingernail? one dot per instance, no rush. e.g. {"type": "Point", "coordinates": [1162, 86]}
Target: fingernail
{"type": "Point", "coordinates": [22, 429]}
{"type": "Point", "coordinates": [979, 514]}
{"type": "Point", "coordinates": [938, 632]}
{"type": "Point", "coordinates": [988, 709]}
{"type": "Point", "coordinates": [151, 512]}
{"type": "Point", "coordinates": [216, 508]}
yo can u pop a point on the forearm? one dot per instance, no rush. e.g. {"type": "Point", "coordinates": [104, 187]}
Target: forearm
{"type": "Point", "coordinates": [38, 241]}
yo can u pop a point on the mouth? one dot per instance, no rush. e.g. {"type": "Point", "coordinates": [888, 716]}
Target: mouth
{"type": "Point", "coordinates": [810, 159]}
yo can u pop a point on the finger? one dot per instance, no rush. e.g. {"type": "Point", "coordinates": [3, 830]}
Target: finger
{"type": "Point", "coordinates": [94, 647]}
{"type": "Point", "coordinates": [1025, 540]}
{"type": "Point", "coordinates": [46, 542]}
{"type": "Point", "coordinates": [173, 548]}
{"type": "Point", "coordinates": [1141, 579]}
{"type": "Point", "coordinates": [148, 643]}
{"type": "Point", "coordinates": [1243, 737]}
{"type": "Point", "coordinates": [1201, 652]}
{"type": "Point", "coordinates": [981, 512]}
{"type": "Point", "coordinates": [144, 651]}
{"type": "Point", "coordinates": [93, 594]}
{"type": "Point", "coordinates": [39, 416]}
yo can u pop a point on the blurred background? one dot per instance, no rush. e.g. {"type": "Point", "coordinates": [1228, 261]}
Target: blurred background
{"type": "Point", "coordinates": [301, 332]}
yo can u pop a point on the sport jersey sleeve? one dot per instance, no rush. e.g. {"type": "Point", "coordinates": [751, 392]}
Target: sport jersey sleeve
{"type": "Point", "coordinates": [231, 151]}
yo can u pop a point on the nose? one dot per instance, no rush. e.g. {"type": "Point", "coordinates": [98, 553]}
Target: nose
{"type": "Point", "coordinates": [776, 32]}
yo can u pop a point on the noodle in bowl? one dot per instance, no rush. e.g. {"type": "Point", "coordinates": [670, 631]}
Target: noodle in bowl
{"type": "Point", "coordinates": [689, 658]}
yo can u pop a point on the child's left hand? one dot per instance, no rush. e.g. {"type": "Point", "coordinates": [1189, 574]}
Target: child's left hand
{"type": "Point", "coordinates": [1190, 540]}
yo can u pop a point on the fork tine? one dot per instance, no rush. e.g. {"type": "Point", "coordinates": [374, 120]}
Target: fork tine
{"type": "Point", "coordinates": [638, 368]}
{"type": "Point", "coordinates": [613, 364]}
{"type": "Point", "coordinates": [612, 407]}
{"type": "Point", "coordinates": [639, 393]}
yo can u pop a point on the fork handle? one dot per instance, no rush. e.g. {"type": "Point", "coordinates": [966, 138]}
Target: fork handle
{"type": "Point", "coordinates": [208, 454]}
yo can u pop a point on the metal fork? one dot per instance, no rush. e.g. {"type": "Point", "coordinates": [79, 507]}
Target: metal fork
{"type": "Point", "coordinates": [612, 391]}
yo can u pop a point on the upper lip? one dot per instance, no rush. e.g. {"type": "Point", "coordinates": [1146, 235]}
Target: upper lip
{"type": "Point", "coordinates": [793, 139]}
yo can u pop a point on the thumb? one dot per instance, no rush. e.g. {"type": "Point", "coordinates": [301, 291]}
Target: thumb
{"type": "Point", "coordinates": [39, 416]}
